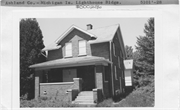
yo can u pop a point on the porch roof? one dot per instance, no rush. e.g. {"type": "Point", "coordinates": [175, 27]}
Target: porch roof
{"type": "Point", "coordinates": [71, 62]}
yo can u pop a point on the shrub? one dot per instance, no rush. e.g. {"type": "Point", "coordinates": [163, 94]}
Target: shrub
{"type": "Point", "coordinates": [105, 103]}
{"type": "Point", "coordinates": [136, 100]}
{"type": "Point", "coordinates": [45, 102]}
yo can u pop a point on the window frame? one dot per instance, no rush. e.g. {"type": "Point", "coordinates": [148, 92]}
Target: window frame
{"type": "Point", "coordinates": [115, 72]}
{"type": "Point", "coordinates": [119, 63]}
{"type": "Point", "coordinates": [123, 77]}
{"type": "Point", "coordinates": [114, 50]}
{"type": "Point", "coordinates": [105, 74]}
{"type": "Point", "coordinates": [84, 47]}
{"type": "Point", "coordinates": [65, 52]}
{"type": "Point", "coordinates": [121, 54]}
{"type": "Point", "coordinates": [120, 81]}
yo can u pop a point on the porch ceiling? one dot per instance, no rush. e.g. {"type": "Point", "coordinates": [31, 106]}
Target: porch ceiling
{"type": "Point", "coordinates": [71, 62]}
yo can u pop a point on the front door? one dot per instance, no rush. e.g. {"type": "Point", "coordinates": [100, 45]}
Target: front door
{"type": "Point", "coordinates": [88, 77]}
{"type": "Point", "coordinates": [69, 74]}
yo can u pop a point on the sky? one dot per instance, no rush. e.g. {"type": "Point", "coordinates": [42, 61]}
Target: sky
{"type": "Point", "coordinates": [131, 28]}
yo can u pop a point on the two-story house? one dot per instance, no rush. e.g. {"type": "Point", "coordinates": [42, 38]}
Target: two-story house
{"type": "Point", "coordinates": [85, 63]}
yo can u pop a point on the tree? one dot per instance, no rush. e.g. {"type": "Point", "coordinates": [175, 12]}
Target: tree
{"type": "Point", "coordinates": [145, 48]}
{"type": "Point", "coordinates": [31, 44]}
{"type": "Point", "coordinates": [129, 52]}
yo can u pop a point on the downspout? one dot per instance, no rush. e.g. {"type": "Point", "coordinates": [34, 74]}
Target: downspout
{"type": "Point", "coordinates": [110, 53]}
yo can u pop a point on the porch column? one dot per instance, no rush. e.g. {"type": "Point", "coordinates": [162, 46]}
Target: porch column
{"type": "Point", "coordinates": [37, 84]}
{"type": "Point", "coordinates": [99, 71]}
{"type": "Point", "coordinates": [77, 83]}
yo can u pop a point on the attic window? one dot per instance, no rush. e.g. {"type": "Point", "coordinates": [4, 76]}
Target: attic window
{"type": "Point", "coordinates": [82, 47]}
{"type": "Point", "coordinates": [68, 49]}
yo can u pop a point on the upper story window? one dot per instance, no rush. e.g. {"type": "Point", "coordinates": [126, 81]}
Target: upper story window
{"type": "Point", "coordinates": [114, 50]}
{"type": "Point", "coordinates": [121, 54]}
{"type": "Point", "coordinates": [106, 75]}
{"type": "Point", "coordinates": [68, 49]}
{"type": "Point", "coordinates": [82, 47]}
{"type": "Point", "coordinates": [115, 71]}
{"type": "Point", "coordinates": [119, 63]}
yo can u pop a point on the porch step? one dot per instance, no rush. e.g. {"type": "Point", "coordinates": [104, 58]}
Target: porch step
{"type": "Point", "coordinates": [84, 98]}
{"type": "Point", "coordinates": [86, 93]}
{"type": "Point", "coordinates": [83, 102]}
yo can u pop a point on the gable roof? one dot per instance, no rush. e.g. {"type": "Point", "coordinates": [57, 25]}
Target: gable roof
{"type": "Point", "coordinates": [52, 46]}
{"type": "Point", "coordinates": [128, 64]}
{"type": "Point", "coordinates": [103, 34]}
{"type": "Point", "coordinates": [55, 45]}
{"type": "Point", "coordinates": [70, 30]}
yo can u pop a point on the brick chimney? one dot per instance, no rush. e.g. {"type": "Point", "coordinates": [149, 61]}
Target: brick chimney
{"type": "Point", "coordinates": [89, 26]}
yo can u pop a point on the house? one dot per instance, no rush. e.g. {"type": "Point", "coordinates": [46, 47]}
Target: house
{"type": "Point", "coordinates": [83, 66]}
{"type": "Point", "coordinates": [128, 64]}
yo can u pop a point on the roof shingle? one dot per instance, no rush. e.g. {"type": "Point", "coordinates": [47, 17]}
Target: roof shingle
{"type": "Point", "coordinates": [104, 34]}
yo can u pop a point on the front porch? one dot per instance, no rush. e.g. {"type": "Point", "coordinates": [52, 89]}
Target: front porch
{"type": "Point", "coordinates": [65, 83]}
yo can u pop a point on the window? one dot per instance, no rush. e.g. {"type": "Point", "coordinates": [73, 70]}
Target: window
{"type": "Point", "coordinates": [68, 49]}
{"type": "Point", "coordinates": [51, 76]}
{"type": "Point", "coordinates": [82, 47]}
{"type": "Point", "coordinates": [106, 75]}
{"type": "Point", "coordinates": [120, 84]}
{"type": "Point", "coordinates": [119, 63]}
{"type": "Point", "coordinates": [114, 50]}
{"type": "Point", "coordinates": [121, 54]}
{"type": "Point", "coordinates": [115, 71]}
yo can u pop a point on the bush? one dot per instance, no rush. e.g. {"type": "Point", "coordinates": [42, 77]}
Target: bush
{"type": "Point", "coordinates": [105, 103]}
{"type": "Point", "coordinates": [45, 102]}
{"type": "Point", "coordinates": [142, 96]}
{"type": "Point", "coordinates": [136, 100]}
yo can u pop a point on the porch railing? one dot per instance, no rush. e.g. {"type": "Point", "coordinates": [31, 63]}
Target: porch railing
{"type": "Point", "coordinates": [97, 95]}
{"type": "Point", "coordinates": [56, 83]}
{"type": "Point", "coordinates": [61, 89]}
{"type": "Point", "coordinates": [75, 90]}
